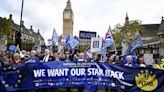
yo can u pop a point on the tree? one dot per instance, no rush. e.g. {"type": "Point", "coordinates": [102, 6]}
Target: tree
{"type": "Point", "coordinates": [128, 31]}
{"type": "Point", "coordinates": [117, 39]}
{"type": "Point", "coordinates": [5, 26]}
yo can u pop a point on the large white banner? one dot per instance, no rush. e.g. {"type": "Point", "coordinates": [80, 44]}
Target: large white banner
{"type": "Point", "coordinates": [96, 44]}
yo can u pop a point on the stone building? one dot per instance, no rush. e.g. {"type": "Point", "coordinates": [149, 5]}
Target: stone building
{"type": "Point", "coordinates": [153, 39]}
{"type": "Point", "coordinates": [29, 38]}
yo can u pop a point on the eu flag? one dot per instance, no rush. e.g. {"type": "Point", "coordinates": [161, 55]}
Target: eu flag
{"type": "Point", "coordinates": [136, 43]}
{"type": "Point", "coordinates": [68, 38]}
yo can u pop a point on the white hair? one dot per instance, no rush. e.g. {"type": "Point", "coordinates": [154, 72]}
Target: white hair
{"type": "Point", "coordinates": [128, 57]}
{"type": "Point", "coordinates": [33, 51]}
{"type": "Point", "coordinates": [47, 50]}
{"type": "Point", "coordinates": [17, 54]}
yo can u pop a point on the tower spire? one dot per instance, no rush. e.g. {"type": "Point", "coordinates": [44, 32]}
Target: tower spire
{"type": "Point", "coordinates": [68, 5]}
{"type": "Point", "coordinates": [126, 18]}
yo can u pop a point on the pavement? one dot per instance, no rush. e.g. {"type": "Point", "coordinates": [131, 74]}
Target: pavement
{"type": "Point", "coordinates": [76, 90]}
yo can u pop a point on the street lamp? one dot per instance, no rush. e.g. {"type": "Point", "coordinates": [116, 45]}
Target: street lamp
{"type": "Point", "coordinates": [18, 33]}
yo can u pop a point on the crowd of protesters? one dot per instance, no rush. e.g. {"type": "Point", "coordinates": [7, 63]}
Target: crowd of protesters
{"type": "Point", "coordinates": [23, 57]}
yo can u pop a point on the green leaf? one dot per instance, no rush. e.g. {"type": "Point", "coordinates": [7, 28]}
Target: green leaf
{"type": "Point", "coordinates": [127, 31]}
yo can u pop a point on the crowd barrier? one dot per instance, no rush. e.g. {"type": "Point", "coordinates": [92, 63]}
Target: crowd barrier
{"type": "Point", "coordinates": [59, 75]}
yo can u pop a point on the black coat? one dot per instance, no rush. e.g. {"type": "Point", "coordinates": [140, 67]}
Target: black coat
{"type": "Point", "coordinates": [51, 58]}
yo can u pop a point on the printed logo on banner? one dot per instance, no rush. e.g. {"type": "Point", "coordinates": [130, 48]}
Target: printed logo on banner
{"type": "Point", "coordinates": [146, 80]}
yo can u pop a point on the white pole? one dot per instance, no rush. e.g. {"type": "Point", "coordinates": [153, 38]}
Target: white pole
{"type": "Point", "coordinates": [109, 30]}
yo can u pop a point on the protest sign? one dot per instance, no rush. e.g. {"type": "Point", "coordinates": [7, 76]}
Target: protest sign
{"type": "Point", "coordinates": [148, 59]}
{"type": "Point", "coordinates": [96, 44]}
{"type": "Point", "coordinates": [86, 34]}
{"type": "Point", "coordinates": [73, 42]}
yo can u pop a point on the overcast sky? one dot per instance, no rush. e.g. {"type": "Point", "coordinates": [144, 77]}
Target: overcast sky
{"type": "Point", "coordinates": [92, 15]}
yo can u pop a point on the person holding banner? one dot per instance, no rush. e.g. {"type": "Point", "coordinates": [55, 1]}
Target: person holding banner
{"type": "Point", "coordinates": [115, 59]}
{"type": "Point", "coordinates": [33, 58]}
{"type": "Point", "coordinates": [81, 58]}
{"type": "Point", "coordinates": [47, 57]}
{"type": "Point", "coordinates": [56, 56]}
{"type": "Point", "coordinates": [162, 63]}
{"type": "Point", "coordinates": [129, 61]}
{"type": "Point", "coordinates": [141, 62]}
{"type": "Point", "coordinates": [157, 64]}
{"type": "Point", "coordinates": [109, 60]}
{"type": "Point", "coordinates": [62, 56]}
{"type": "Point", "coordinates": [94, 57]}
{"type": "Point", "coordinates": [76, 56]}
{"type": "Point", "coordinates": [67, 57]}
{"type": "Point", "coordinates": [17, 59]}
{"type": "Point", "coordinates": [99, 59]}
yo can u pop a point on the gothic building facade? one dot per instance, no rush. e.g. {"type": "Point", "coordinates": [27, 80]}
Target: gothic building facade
{"type": "Point", "coordinates": [29, 38]}
{"type": "Point", "coordinates": [153, 38]}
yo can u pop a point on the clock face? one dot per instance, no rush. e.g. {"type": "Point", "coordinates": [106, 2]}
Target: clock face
{"type": "Point", "coordinates": [67, 15]}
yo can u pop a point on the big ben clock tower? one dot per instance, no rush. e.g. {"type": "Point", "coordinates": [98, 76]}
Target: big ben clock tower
{"type": "Point", "coordinates": [68, 20]}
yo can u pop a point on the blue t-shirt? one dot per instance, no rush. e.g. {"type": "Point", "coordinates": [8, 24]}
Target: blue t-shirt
{"type": "Point", "coordinates": [33, 59]}
{"type": "Point", "coordinates": [67, 60]}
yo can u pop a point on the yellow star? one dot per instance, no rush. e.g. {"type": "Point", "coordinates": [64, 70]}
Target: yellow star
{"type": "Point", "coordinates": [18, 81]}
{"type": "Point", "coordinates": [36, 84]}
{"type": "Point", "coordinates": [14, 68]}
{"type": "Point", "coordinates": [9, 67]}
{"type": "Point", "coordinates": [16, 85]}
{"type": "Point", "coordinates": [4, 69]}
{"type": "Point", "coordinates": [3, 82]}
{"type": "Point", "coordinates": [18, 71]}
{"type": "Point", "coordinates": [19, 76]}
{"type": "Point", "coordinates": [6, 85]}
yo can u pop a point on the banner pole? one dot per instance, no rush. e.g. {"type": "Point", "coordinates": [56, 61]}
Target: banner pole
{"type": "Point", "coordinates": [101, 50]}
{"type": "Point", "coordinates": [86, 49]}
{"type": "Point", "coordinates": [115, 47]}
{"type": "Point", "coordinates": [113, 40]}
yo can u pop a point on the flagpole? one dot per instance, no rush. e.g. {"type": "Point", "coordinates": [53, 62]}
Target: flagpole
{"type": "Point", "coordinates": [114, 46]}
{"type": "Point", "coordinates": [109, 29]}
{"type": "Point", "coordinates": [86, 49]}
{"type": "Point", "coordinates": [101, 51]}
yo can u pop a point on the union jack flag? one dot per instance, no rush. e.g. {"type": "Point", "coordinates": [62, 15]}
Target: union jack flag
{"type": "Point", "coordinates": [108, 39]}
